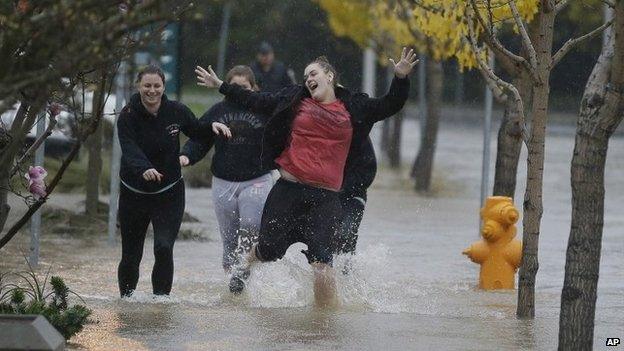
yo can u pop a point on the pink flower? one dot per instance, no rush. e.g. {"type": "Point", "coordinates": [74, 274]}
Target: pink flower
{"type": "Point", "coordinates": [36, 185]}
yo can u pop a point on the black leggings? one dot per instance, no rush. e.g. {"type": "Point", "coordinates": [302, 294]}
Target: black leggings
{"type": "Point", "coordinates": [296, 212]}
{"type": "Point", "coordinates": [136, 211]}
{"type": "Point", "coordinates": [353, 211]}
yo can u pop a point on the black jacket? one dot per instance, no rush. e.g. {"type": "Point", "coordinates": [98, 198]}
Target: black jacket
{"type": "Point", "coordinates": [361, 172]}
{"type": "Point", "coordinates": [364, 111]}
{"type": "Point", "coordinates": [149, 141]}
{"type": "Point", "coordinates": [274, 80]}
{"type": "Point", "coordinates": [236, 159]}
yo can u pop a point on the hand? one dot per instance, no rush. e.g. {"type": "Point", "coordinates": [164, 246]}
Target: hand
{"type": "Point", "coordinates": [220, 128]}
{"type": "Point", "coordinates": [152, 174]}
{"type": "Point", "coordinates": [207, 78]}
{"type": "Point", "coordinates": [406, 63]}
{"type": "Point", "coordinates": [184, 161]}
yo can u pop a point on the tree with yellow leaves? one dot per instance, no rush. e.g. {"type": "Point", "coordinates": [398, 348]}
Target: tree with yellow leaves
{"type": "Point", "coordinates": [537, 61]}
{"type": "Point", "coordinates": [469, 30]}
{"type": "Point", "coordinates": [436, 28]}
{"type": "Point", "coordinates": [381, 22]}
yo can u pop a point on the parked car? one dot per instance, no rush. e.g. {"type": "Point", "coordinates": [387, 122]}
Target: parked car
{"type": "Point", "coordinates": [62, 138]}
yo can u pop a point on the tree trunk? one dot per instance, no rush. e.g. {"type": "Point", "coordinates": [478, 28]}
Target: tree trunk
{"type": "Point", "coordinates": [4, 196]}
{"type": "Point", "coordinates": [423, 165]}
{"type": "Point", "coordinates": [391, 131]}
{"type": "Point", "coordinates": [94, 149]}
{"type": "Point", "coordinates": [394, 149]}
{"type": "Point", "coordinates": [459, 86]}
{"type": "Point", "coordinates": [602, 110]}
{"type": "Point", "coordinates": [385, 136]}
{"type": "Point", "coordinates": [13, 141]}
{"type": "Point", "coordinates": [509, 142]}
{"type": "Point", "coordinates": [6, 162]}
{"type": "Point", "coordinates": [391, 140]}
{"type": "Point", "coordinates": [533, 206]}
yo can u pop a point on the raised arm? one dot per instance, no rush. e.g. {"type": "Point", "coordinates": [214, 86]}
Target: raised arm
{"type": "Point", "coordinates": [391, 103]}
{"type": "Point", "coordinates": [252, 100]}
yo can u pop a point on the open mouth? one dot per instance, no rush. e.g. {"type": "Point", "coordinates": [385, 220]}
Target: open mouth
{"type": "Point", "coordinates": [312, 86]}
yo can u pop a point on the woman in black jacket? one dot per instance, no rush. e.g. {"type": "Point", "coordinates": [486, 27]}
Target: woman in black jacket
{"type": "Point", "coordinates": [315, 132]}
{"type": "Point", "coordinates": [152, 187]}
{"type": "Point", "coordinates": [240, 185]}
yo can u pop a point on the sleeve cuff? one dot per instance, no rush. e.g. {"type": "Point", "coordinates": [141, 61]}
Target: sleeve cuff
{"type": "Point", "coordinates": [402, 80]}
{"type": "Point", "coordinates": [192, 160]}
{"type": "Point", "coordinates": [224, 88]}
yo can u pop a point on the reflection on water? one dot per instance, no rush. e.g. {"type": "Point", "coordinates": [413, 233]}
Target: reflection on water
{"type": "Point", "coordinates": [383, 306]}
{"type": "Point", "coordinates": [148, 318]}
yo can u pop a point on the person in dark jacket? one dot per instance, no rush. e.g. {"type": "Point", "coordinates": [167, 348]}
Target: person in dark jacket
{"type": "Point", "coordinates": [152, 186]}
{"type": "Point", "coordinates": [316, 131]}
{"type": "Point", "coordinates": [240, 185]}
{"type": "Point", "coordinates": [271, 75]}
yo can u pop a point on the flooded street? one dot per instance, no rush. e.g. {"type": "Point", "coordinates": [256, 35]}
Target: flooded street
{"type": "Point", "coordinates": [411, 289]}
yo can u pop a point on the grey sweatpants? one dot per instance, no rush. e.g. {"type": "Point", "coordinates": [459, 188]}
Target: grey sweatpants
{"type": "Point", "coordinates": [238, 206]}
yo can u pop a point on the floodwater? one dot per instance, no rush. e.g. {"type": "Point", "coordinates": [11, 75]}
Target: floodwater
{"type": "Point", "coordinates": [411, 289]}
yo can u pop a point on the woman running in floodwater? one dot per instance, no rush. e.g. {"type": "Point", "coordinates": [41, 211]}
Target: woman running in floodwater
{"type": "Point", "coordinates": [314, 132]}
{"type": "Point", "coordinates": [152, 187]}
{"type": "Point", "coordinates": [240, 185]}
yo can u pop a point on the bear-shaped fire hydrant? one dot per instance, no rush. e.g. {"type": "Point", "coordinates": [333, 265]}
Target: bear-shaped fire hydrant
{"type": "Point", "coordinates": [498, 252]}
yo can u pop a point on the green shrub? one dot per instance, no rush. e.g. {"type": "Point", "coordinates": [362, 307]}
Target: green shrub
{"type": "Point", "coordinates": [52, 305]}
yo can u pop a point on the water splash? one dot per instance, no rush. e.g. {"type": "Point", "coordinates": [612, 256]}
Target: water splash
{"type": "Point", "coordinates": [289, 282]}
{"type": "Point", "coordinates": [144, 297]}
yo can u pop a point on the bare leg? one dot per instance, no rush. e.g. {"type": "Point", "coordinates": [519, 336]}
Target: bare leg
{"type": "Point", "coordinates": [325, 294]}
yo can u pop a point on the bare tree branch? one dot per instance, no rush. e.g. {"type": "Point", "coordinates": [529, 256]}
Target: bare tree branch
{"type": "Point", "coordinates": [46, 45]}
{"type": "Point", "coordinates": [497, 92]}
{"type": "Point", "coordinates": [57, 178]}
{"type": "Point", "coordinates": [494, 79]}
{"type": "Point", "coordinates": [18, 119]}
{"type": "Point", "coordinates": [34, 207]}
{"type": "Point", "coordinates": [526, 40]}
{"type": "Point", "coordinates": [573, 42]}
{"type": "Point", "coordinates": [34, 146]}
{"type": "Point", "coordinates": [493, 42]}
{"type": "Point", "coordinates": [415, 33]}
{"type": "Point", "coordinates": [18, 131]}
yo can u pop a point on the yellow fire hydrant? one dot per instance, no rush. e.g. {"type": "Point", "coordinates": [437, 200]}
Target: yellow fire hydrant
{"type": "Point", "coordinates": [498, 252]}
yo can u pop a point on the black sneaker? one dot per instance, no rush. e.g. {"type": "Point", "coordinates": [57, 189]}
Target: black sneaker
{"type": "Point", "coordinates": [236, 285]}
{"type": "Point", "coordinates": [237, 281]}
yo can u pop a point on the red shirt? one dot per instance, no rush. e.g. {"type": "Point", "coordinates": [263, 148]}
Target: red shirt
{"type": "Point", "coordinates": [318, 145]}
